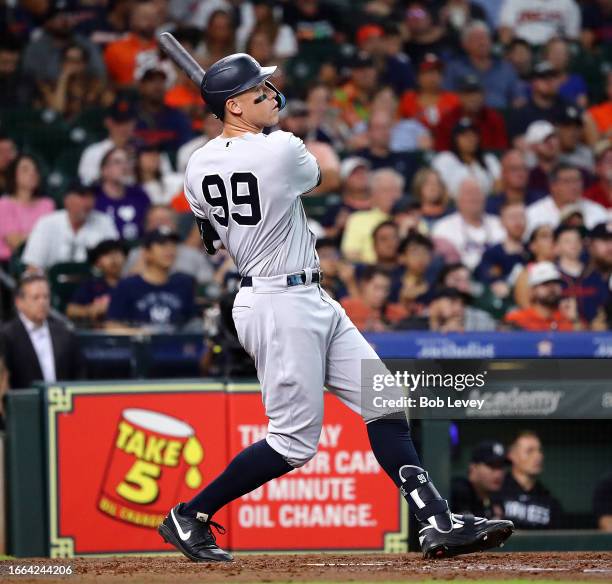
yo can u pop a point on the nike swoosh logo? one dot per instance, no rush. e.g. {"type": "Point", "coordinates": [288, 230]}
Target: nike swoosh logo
{"type": "Point", "coordinates": [184, 536]}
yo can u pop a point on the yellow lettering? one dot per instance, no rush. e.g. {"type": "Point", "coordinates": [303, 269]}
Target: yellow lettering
{"type": "Point", "coordinates": [136, 444]}
{"type": "Point", "coordinates": [172, 453]}
{"type": "Point", "coordinates": [125, 430]}
{"type": "Point", "coordinates": [153, 451]}
{"type": "Point", "coordinates": [142, 475]}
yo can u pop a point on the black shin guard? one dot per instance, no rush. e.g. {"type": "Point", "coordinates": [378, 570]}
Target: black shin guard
{"type": "Point", "coordinates": [426, 503]}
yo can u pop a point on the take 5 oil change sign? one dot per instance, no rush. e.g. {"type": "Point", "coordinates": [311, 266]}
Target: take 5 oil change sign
{"type": "Point", "coordinates": [121, 456]}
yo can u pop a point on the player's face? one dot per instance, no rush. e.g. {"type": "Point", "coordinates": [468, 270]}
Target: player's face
{"type": "Point", "coordinates": [258, 106]}
{"type": "Point", "coordinates": [527, 456]}
{"type": "Point", "coordinates": [489, 478]}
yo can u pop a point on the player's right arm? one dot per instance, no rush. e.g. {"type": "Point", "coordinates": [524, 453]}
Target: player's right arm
{"type": "Point", "coordinates": [303, 166]}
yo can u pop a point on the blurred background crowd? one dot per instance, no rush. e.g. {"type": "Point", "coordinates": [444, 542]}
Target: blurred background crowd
{"type": "Point", "coordinates": [465, 146]}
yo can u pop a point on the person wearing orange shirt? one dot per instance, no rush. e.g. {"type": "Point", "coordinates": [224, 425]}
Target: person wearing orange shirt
{"type": "Point", "coordinates": [124, 57]}
{"type": "Point", "coordinates": [371, 310]}
{"type": "Point", "coordinates": [547, 311]}
{"type": "Point", "coordinates": [598, 119]}
{"type": "Point", "coordinates": [429, 102]}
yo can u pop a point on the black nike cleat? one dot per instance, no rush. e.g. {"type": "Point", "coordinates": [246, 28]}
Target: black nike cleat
{"type": "Point", "coordinates": [193, 536]}
{"type": "Point", "coordinates": [468, 535]}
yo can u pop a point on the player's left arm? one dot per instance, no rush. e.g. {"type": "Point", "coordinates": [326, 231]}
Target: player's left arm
{"type": "Point", "coordinates": [208, 234]}
{"type": "Point", "coordinates": [306, 169]}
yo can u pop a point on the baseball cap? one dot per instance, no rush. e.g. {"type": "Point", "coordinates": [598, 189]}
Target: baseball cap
{"type": "Point", "coordinates": [78, 188]}
{"type": "Point", "coordinates": [469, 82]}
{"type": "Point", "coordinates": [463, 125]}
{"type": "Point", "coordinates": [431, 62]}
{"type": "Point", "coordinates": [122, 110]}
{"type": "Point", "coordinates": [148, 73]}
{"type": "Point", "coordinates": [362, 60]}
{"type": "Point", "coordinates": [367, 32]}
{"type": "Point", "coordinates": [543, 69]}
{"type": "Point", "coordinates": [543, 272]}
{"type": "Point", "coordinates": [538, 131]}
{"type": "Point", "coordinates": [489, 453]}
{"type": "Point", "coordinates": [350, 164]}
{"type": "Point", "coordinates": [601, 231]}
{"type": "Point", "coordinates": [104, 247]}
{"type": "Point", "coordinates": [160, 235]}
{"type": "Point", "coordinates": [570, 115]}
{"type": "Point", "coordinates": [448, 292]}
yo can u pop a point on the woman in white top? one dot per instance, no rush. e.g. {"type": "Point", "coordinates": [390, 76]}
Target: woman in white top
{"type": "Point", "coordinates": [160, 185]}
{"type": "Point", "coordinates": [466, 159]}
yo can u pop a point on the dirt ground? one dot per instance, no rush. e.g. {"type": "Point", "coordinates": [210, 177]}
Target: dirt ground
{"type": "Point", "coordinates": [559, 566]}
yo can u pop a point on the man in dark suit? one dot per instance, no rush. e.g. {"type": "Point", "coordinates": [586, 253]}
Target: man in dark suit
{"type": "Point", "coordinates": [36, 347]}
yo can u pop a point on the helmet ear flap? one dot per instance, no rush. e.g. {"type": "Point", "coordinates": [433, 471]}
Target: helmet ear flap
{"type": "Point", "coordinates": [281, 100]}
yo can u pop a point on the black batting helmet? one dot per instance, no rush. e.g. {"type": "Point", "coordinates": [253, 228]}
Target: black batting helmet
{"type": "Point", "coordinates": [233, 75]}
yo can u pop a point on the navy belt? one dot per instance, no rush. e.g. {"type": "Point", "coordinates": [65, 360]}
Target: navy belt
{"type": "Point", "coordinates": [292, 279]}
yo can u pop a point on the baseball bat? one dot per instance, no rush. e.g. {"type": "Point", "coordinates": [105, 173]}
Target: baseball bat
{"type": "Point", "coordinates": [181, 57]}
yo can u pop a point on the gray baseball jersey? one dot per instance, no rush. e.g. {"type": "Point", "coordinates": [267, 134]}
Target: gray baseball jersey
{"type": "Point", "coordinates": [249, 188]}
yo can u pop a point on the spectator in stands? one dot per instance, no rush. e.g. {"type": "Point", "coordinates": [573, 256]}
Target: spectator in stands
{"type": "Point", "coordinates": [455, 15]}
{"type": "Point", "coordinates": [107, 25]}
{"type": "Point", "coordinates": [546, 311]}
{"type": "Point", "coordinates": [600, 249]}
{"type": "Point", "coordinates": [189, 260]}
{"type": "Point", "coordinates": [473, 494]}
{"type": "Point", "coordinates": [316, 24]}
{"type": "Point", "coordinates": [22, 206]}
{"type": "Point", "coordinates": [386, 187]}
{"type": "Point", "coordinates": [76, 89]}
{"type": "Point", "coordinates": [159, 185]}
{"type": "Point", "coordinates": [488, 122]}
{"type": "Point", "coordinates": [514, 179]}
{"type": "Point", "coordinates": [354, 98]}
{"type": "Point", "coordinates": [500, 263]}
{"type": "Point", "coordinates": [125, 204]}
{"type": "Point", "coordinates": [211, 128]}
{"type": "Point", "coordinates": [156, 123]}
{"type": "Point", "coordinates": [120, 122]}
{"type": "Point", "coordinates": [456, 275]}
{"type": "Point", "coordinates": [572, 88]}
{"type": "Point", "coordinates": [66, 235]}
{"type": "Point", "coordinates": [220, 37]}
{"type": "Point", "coordinates": [42, 59]}
{"type": "Point", "coordinates": [596, 19]}
{"type": "Point", "coordinates": [570, 130]}
{"type": "Point", "coordinates": [602, 503]}
{"type": "Point", "coordinates": [324, 122]}
{"type": "Point", "coordinates": [263, 19]}
{"type": "Point", "coordinates": [157, 296]}
{"type": "Point", "coordinates": [497, 77]}
{"type": "Point", "coordinates": [423, 33]}
{"type": "Point", "coordinates": [525, 500]}
{"type": "Point", "coordinates": [429, 190]}
{"type": "Point", "coordinates": [295, 119]}
{"type": "Point", "coordinates": [8, 153]}
{"type": "Point", "coordinates": [519, 18]}
{"type": "Point", "coordinates": [371, 310]}
{"type": "Point", "coordinates": [543, 102]}
{"type": "Point", "coordinates": [541, 248]}
{"type": "Point", "coordinates": [394, 67]}
{"type": "Point", "coordinates": [470, 230]}
{"type": "Point", "coordinates": [466, 159]}
{"type": "Point", "coordinates": [378, 150]}
{"type": "Point", "coordinates": [543, 142]}
{"type": "Point", "coordinates": [37, 347]}
{"type": "Point", "coordinates": [581, 282]}
{"type": "Point", "coordinates": [519, 54]}
{"type": "Point", "coordinates": [598, 118]}
{"type": "Point", "coordinates": [125, 56]}
{"type": "Point", "coordinates": [601, 191]}
{"type": "Point", "coordinates": [339, 275]}
{"type": "Point", "coordinates": [429, 102]}
{"type": "Point", "coordinates": [91, 299]}
{"type": "Point", "coordinates": [447, 313]}
{"type": "Point", "coordinates": [355, 192]}
{"type": "Point", "coordinates": [15, 90]}
{"type": "Point", "coordinates": [416, 253]}
{"type": "Point", "coordinates": [566, 188]}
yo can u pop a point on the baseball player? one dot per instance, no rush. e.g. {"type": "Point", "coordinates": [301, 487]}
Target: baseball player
{"type": "Point", "coordinates": [244, 188]}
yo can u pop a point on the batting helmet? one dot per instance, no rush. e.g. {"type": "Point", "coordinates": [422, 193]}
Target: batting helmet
{"type": "Point", "coordinates": [233, 75]}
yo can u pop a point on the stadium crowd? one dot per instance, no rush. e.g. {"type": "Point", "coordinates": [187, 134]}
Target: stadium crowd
{"type": "Point", "coordinates": [465, 146]}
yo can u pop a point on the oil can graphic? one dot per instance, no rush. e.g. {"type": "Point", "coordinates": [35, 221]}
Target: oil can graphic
{"type": "Point", "coordinates": [153, 462]}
